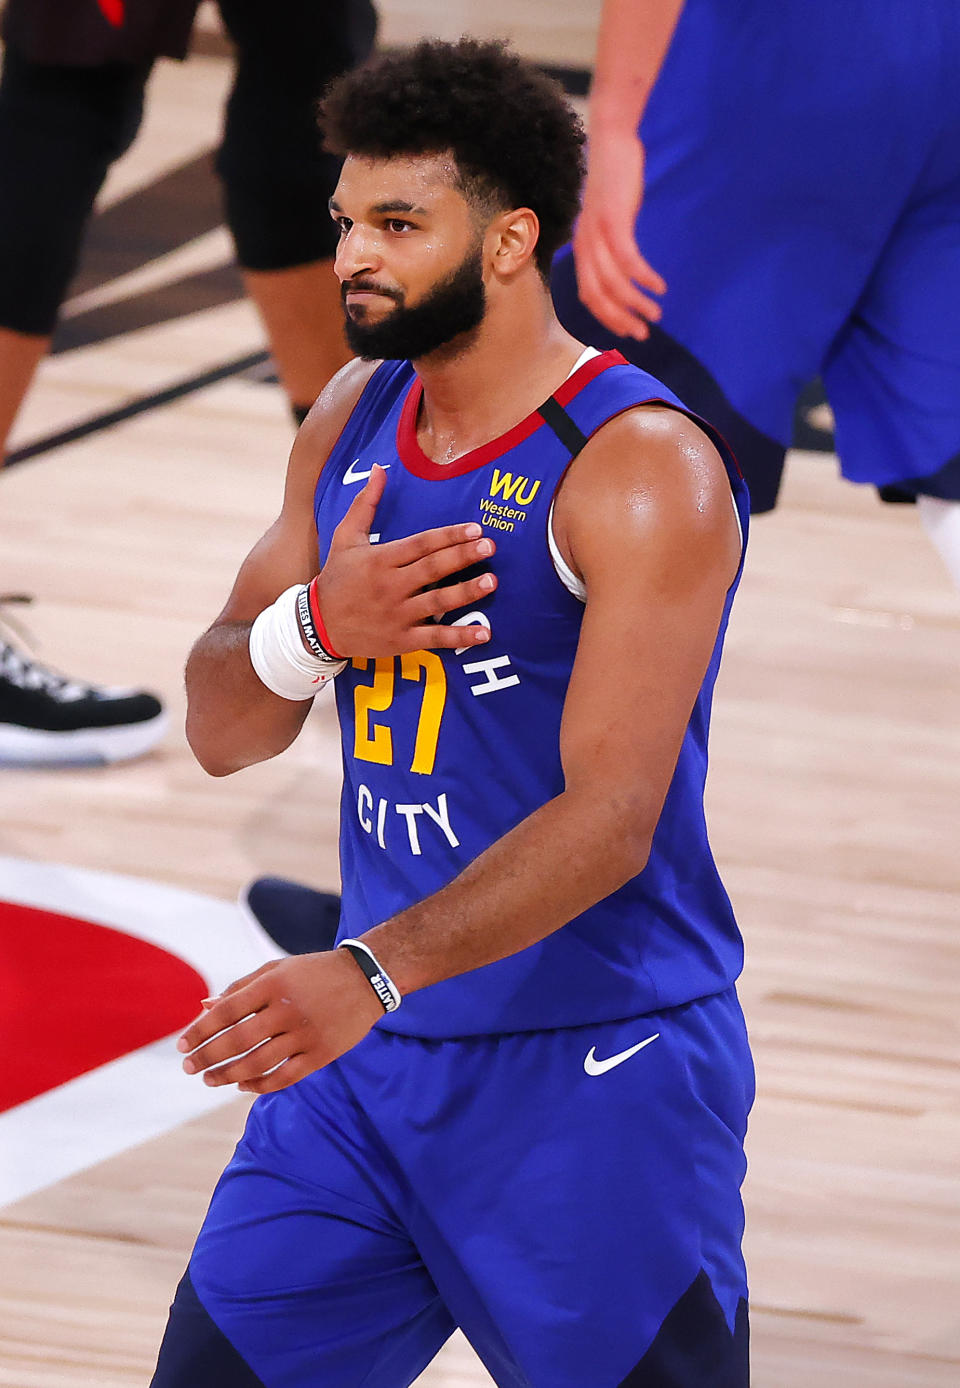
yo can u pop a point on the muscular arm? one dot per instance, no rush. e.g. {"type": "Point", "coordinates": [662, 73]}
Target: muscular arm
{"type": "Point", "coordinates": [372, 597]}
{"type": "Point", "coordinates": [645, 517]}
{"type": "Point", "coordinates": [612, 274]}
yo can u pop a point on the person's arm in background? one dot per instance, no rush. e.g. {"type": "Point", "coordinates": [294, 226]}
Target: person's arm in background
{"type": "Point", "coordinates": [632, 43]}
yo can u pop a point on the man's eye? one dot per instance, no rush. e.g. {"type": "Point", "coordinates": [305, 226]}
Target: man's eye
{"type": "Point", "coordinates": [344, 224]}
{"type": "Point", "coordinates": [398, 224]}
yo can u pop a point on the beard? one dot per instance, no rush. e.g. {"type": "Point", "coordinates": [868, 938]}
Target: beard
{"type": "Point", "coordinates": [452, 309]}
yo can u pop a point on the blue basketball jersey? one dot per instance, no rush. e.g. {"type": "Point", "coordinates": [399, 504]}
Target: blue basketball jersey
{"type": "Point", "coordinates": [444, 752]}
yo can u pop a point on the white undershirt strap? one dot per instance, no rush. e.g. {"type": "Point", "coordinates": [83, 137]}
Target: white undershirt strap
{"type": "Point", "coordinates": [567, 577]}
{"type": "Point", "coordinates": [564, 572]}
{"type": "Point", "coordinates": [586, 355]}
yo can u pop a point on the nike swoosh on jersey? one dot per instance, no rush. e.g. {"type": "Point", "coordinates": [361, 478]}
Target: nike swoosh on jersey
{"type": "Point", "coordinates": [351, 475]}
{"type": "Point", "coordinates": [593, 1066]}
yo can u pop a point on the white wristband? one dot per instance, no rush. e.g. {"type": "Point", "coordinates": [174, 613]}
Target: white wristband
{"type": "Point", "coordinates": [278, 655]}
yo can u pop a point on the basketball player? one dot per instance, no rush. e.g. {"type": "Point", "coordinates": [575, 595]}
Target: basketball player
{"type": "Point", "coordinates": [71, 100]}
{"type": "Point", "coordinates": [514, 1097]}
{"type": "Point", "coordinates": [795, 197]}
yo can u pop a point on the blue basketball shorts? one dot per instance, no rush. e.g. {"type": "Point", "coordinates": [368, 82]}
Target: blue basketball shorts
{"type": "Point", "coordinates": [570, 1199]}
{"type": "Point", "coordinates": [803, 204]}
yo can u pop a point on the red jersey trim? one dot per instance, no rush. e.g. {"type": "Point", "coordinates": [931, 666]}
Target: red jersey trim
{"type": "Point", "coordinates": [416, 461]}
{"type": "Point", "coordinates": [588, 372]}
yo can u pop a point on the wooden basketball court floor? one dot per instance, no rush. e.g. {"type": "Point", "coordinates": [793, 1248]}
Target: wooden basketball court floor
{"type": "Point", "coordinates": [832, 797]}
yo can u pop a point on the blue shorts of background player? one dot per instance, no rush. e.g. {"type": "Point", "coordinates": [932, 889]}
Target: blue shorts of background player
{"type": "Point", "coordinates": [580, 1220]}
{"type": "Point", "coordinates": [802, 202]}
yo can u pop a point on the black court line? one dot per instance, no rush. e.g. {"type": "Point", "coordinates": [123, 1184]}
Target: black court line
{"type": "Point", "coordinates": [139, 405]}
{"type": "Point", "coordinates": [169, 302]}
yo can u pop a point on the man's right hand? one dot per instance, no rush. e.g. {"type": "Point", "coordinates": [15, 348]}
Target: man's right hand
{"type": "Point", "coordinates": [379, 600]}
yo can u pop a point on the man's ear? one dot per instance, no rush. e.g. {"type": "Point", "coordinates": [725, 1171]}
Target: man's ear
{"type": "Point", "coordinates": [512, 238]}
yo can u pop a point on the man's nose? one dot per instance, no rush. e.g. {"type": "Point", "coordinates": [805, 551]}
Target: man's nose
{"type": "Point", "coordinates": [356, 253]}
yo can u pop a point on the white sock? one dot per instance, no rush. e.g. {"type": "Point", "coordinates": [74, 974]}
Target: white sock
{"type": "Point", "coordinates": [941, 520]}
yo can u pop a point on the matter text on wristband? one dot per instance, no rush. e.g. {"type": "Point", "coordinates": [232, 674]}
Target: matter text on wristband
{"type": "Point", "coordinates": [379, 980]}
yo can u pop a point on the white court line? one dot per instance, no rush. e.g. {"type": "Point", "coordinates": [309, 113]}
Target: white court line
{"type": "Point", "coordinates": [141, 1095]}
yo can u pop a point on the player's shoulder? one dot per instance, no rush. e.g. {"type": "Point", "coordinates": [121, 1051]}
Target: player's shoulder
{"type": "Point", "coordinates": [329, 415]}
{"type": "Point", "coordinates": [658, 448]}
{"type": "Point", "coordinates": [337, 401]}
{"type": "Point", "coordinates": [634, 422]}
{"type": "Point", "coordinates": [651, 478]}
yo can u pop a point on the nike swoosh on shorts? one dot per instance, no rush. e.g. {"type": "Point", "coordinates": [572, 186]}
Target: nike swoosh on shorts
{"type": "Point", "coordinates": [600, 1067]}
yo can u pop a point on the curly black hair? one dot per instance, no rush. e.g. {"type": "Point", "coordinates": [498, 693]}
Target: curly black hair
{"type": "Point", "coordinates": [515, 140]}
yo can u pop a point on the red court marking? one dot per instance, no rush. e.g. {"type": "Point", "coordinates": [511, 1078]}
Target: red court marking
{"type": "Point", "coordinates": [75, 995]}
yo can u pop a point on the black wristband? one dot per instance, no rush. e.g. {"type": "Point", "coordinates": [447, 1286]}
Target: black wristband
{"type": "Point", "coordinates": [381, 982]}
{"type": "Point", "coordinates": [309, 629]}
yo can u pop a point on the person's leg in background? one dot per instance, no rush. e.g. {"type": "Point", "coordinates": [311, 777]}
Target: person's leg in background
{"type": "Point", "coordinates": [277, 179]}
{"type": "Point", "coordinates": [60, 129]}
{"type": "Point", "coordinates": [20, 355]}
{"type": "Point", "coordinates": [893, 374]}
{"type": "Point", "coordinates": [71, 102]}
{"type": "Point", "coordinates": [940, 518]}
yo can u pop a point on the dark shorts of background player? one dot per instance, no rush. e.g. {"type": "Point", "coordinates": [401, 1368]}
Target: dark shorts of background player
{"type": "Point", "coordinates": [803, 204]}
{"type": "Point", "coordinates": [85, 33]}
{"type": "Point", "coordinates": [71, 101]}
{"type": "Point", "coordinates": [583, 1229]}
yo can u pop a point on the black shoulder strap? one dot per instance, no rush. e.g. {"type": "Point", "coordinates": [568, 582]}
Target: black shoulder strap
{"type": "Point", "coordinates": [566, 429]}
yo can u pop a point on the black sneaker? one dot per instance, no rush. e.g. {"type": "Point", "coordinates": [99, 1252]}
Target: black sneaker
{"type": "Point", "coordinates": [49, 719]}
{"type": "Point", "coordinates": [297, 918]}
